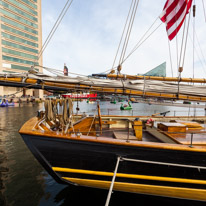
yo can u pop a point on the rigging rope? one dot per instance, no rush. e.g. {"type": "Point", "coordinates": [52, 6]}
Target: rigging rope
{"type": "Point", "coordinates": [203, 63]}
{"type": "Point", "coordinates": [204, 9]}
{"type": "Point", "coordinates": [58, 21]}
{"type": "Point", "coordinates": [201, 51]}
{"type": "Point", "coordinates": [140, 43]}
{"type": "Point", "coordinates": [131, 17]}
{"type": "Point", "coordinates": [170, 57]}
{"type": "Point", "coordinates": [131, 22]}
{"type": "Point", "coordinates": [194, 8]}
{"type": "Point", "coordinates": [181, 49]}
{"type": "Point", "coordinates": [186, 39]}
{"type": "Point", "coordinates": [122, 34]}
{"type": "Point", "coordinates": [177, 50]}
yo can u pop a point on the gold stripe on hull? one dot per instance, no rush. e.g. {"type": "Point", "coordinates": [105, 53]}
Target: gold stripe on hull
{"type": "Point", "coordinates": [173, 192]}
{"type": "Point", "coordinates": [123, 175]}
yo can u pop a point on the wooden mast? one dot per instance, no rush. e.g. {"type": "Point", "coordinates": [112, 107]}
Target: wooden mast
{"type": "Point", "coordinates": [137, 77]}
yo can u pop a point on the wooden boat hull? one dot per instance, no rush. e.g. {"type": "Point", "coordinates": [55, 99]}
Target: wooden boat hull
{"type": "Point", "coordinates": [91, 163]}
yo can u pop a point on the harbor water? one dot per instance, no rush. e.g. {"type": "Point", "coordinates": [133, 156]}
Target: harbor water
{"type": "Point", "coordinates": [23, 181]}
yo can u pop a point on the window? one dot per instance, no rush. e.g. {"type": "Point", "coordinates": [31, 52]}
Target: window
{"type": "Point", "coordinates": [18, 25]}
{"type": "Point", "coordinates": [30, 4]}
{"type": "Point", "coordinates": [20, 5]}
{"type": "Point", "coordinates": [18, 39]}
{"type": "Point", "coordinates": [18, 32]}
{"type": "Point", "coordinates": [7, 43]}
{"type": "Point", "coordinates": [18, 18]}
{"type": "Point", "coordinates": [19, 67]}
{"type": "Point", "coordinates": [14, 9]}
{"type": "Point", "coordinates": [9, 51]}
{"type": "Point", "coordinates": [13, 59]}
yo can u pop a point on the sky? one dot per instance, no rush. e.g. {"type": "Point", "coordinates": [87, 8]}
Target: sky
{"type": "Point", "coordinates": [89, 34]}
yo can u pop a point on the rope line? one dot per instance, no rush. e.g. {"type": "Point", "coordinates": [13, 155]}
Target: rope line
{"type": "Point", "coordinates": [203, 4]}
{"type": "Point", "coordinates": [122, 34]}
{"type": "Point", "coordinates": [140, 43]}
{"type": "Point", "coordinates": [129, 31]}
{"type": "Point", "coordinates": [58, 21]}
{"type": "Point", "coordinates": [170, 55]}
{"type": "Point", "coordinates": [186, 38]}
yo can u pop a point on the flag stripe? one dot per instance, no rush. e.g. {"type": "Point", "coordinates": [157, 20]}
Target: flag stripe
{"type": "Point", "coordinates": [173, 15]}
{"type": "Point", "coordinates": [169, 6]}
{"type": "Point", "coordinates": [177, 18]}
{"type": "Point", "coordinates": [171, 27]}
{"type": "Point", "coordinates": [173, 34]}
{"type": "Point", "coordinates": [176, 12]}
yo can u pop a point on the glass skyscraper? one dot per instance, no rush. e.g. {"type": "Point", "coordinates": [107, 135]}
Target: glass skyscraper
{"type": "Point", "coordinates": [21, 38]}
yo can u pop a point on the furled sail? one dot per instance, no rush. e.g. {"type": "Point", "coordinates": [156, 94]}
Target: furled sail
{"type": "Point", "coordinates": [140, 87]}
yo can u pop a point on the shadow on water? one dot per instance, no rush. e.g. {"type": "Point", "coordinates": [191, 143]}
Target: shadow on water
{"type": "Point", "coordinates": [23, 182]}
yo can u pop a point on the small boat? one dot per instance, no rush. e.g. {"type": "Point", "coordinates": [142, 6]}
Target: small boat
{"type": "Point", "coordinates": [11, 104]}
{"type": "Point", "coordinates": [5, 103]}
{"type": "Point", "coordinates": [126, 106]}
{"type": "Point", "coordinates": [133, 100]}
{"type": "Point", "coordinates": [113, 101]}
{"type": "Point", "coordinates": [80, 96]}
{"type": "Point", "coordinates": [186, 102]}
{"type": "Point", "coordinates": [91, 101]}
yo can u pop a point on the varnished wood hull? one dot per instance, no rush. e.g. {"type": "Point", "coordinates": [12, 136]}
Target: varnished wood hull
{"type": "Point", "coordinates": [90, 163]}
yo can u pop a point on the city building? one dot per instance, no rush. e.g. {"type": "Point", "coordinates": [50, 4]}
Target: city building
{"type": "Point", "coordinates": [159, 71]}
{"type": "Point", "coordinates": [20, 40]}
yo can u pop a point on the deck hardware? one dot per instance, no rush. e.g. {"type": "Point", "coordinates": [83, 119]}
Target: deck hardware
{"type": "Point", "coordinates": [112, 183]}
{"type": "Point", "coordinates": [78, 134]}
{"type": "Point", "coordinates": [128, 131]}
{"type": "Point", "coordinates": [163, 163]}
{"type": "Point", "coordinates": [191, 140]}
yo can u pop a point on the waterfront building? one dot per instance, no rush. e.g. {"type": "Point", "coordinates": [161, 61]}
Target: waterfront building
{"type": "Point", "coordinates": [159, 71]}
{"type": "Point", "coordinates": [20, 40]}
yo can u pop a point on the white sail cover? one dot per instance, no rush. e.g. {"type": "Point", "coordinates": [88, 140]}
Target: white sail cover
{"type": "Point", "coordinates": [136, 85]}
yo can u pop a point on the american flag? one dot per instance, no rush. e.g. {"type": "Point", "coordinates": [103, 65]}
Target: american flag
{"type": "Point", "coordinates": [173, 15]}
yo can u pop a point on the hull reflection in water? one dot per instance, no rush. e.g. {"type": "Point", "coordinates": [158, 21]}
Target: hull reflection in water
{"type": "Point", "coordinates": [158, 165]}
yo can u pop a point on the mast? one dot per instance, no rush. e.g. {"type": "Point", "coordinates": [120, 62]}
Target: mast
{"type": "Point", "coordinates": [136, 77]}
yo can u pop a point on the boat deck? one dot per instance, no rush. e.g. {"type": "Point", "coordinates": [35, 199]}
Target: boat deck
{"type": "Point", "coordinates": [119, 131]}
{"type": "Point", "coordinates": [196, 137]}
{"type": "Point", "coordinates": [123, 134]}
{"type": "Point", "coordinates": [189, 132]}
{"type": "Point", "coordinates": [152, 138]}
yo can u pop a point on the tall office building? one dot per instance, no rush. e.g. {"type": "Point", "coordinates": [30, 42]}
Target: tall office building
{"type": "Point", "coordinates": [21, 39]}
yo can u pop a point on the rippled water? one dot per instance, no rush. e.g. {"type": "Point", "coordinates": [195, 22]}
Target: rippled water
{"type": "Point", "coordinates": [23, 182]}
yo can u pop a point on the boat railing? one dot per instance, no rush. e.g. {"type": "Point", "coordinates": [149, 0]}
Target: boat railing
{"type": "Point", "coordinates": [145, 112]}
{"type": "Point", "coordinates": [162, 163]}
{"type": "Point", "coordinates": [120, 159]}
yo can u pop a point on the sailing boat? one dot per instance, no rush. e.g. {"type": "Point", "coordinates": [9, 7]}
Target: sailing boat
{"type": "Point", "coordinates": [122, 153]}
{"type": "Point", "coordinates": [167, 160]}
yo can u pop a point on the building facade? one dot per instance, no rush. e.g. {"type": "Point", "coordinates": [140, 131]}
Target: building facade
{"type": "Point", "coordinates": [20, 41]}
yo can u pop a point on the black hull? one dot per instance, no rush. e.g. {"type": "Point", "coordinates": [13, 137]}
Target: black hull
{"type": "Point", "coordinates": [92, 164]}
